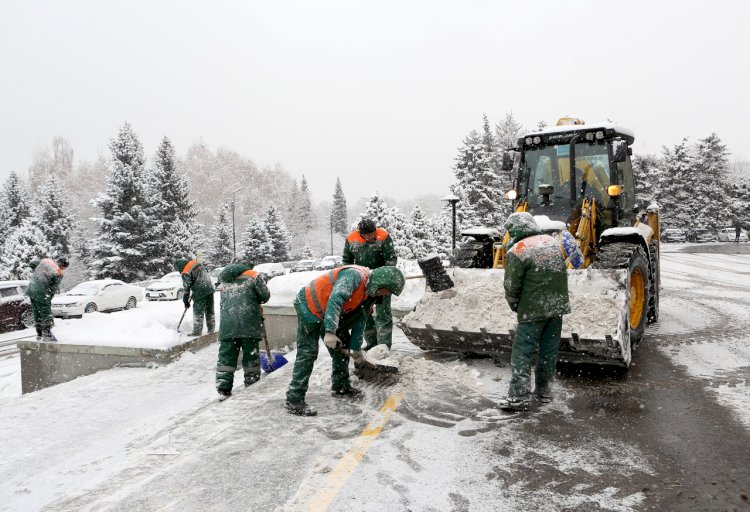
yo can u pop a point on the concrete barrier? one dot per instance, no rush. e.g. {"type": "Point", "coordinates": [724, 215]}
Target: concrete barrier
{"type": "Point", "coordinates": [46, 364]}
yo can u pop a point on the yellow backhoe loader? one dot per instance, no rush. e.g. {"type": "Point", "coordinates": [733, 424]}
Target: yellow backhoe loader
{"type": "Point", "coordinates": [573, 177]}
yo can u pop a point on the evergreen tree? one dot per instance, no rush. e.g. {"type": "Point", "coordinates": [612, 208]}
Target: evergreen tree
{"type": "Point", "coordinates": [17, 201]}
{"type": "Point", "coordinates": [58, 163]}
{"type": "Point", "coordinates": [375, 210]}
{"type": "Point", "coordinates": [172, 210]}
{"type": "Point", "coordinates": [53, 219]}
{"type": "Point", "coordinates": [307, 253]}
{"type": "Point", "coordinates": [339, 215]}
{"type": "Point", "coordinates": [646, 173]}
{"type": "Point", "coordinates": [508, 131]}
{"type": "Point", "coordinates": [441, 227]}
{"type": "Point", "coordinates": [278, 236]}
{"type": "Point", "coordinates": [121, 248]}
{"type": "Point", "coordinates": [674, 188]}
{"type": "Point", "coordinates": [306, 216]}
{"type": "Point", "coordinates": [394, 222]}
{"type": "Point", "coordinates": [478, 184]}
{"type": "Point", "coordinates": [421, 237]}
{"type": "Point", "coordinates": [711, 186]}
{"type": "Point", "coordinates": [25, 243]}
{"type": "Point", "coordinates": [220, 250]}
{"type": "Point", "coordinates": [256, 243]}
{"type": "Point", "coordinates": [293, 218]}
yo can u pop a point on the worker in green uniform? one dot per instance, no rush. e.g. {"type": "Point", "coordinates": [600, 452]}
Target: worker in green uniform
{"type": "Point", "coordinates": [43, 285]}
{"type": "Point", "coordinates": [372, 247]}
{"type": "Point", "coordinates": [536, 288]}
{"type": "Point", "coordinates": [242, 291]}
{"type": "Point", "coordinates": [197, 286]}
{"type": "Point", "coordinates": [335, 307]}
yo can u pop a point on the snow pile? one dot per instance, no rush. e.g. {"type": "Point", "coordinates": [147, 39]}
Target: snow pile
{"type": "Point", "coordinates": [151, 325]}
{"type": "Point", "coordinates": [597, 302]}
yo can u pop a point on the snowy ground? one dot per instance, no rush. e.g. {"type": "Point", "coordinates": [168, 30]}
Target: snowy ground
{"type": "Point", "coordinates": [155, 439]}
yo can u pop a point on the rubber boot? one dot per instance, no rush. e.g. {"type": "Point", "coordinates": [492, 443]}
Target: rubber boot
{"type": "Point", "coordinates": [347, 391]}
{"type": "Point", "coordinates": [300, 408]}
{"type": "Point", "coordinates": [39, 334]}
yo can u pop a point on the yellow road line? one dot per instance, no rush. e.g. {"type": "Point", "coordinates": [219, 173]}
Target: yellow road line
{"type": "Point", "coordinates": [351, 459]}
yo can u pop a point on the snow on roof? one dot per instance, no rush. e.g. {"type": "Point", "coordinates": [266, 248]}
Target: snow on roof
{"type": "Point", "coordinates": [583, 127]}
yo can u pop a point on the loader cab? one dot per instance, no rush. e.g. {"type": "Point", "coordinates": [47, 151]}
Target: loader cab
{"type": "Point", "coordinates": [599, 156]}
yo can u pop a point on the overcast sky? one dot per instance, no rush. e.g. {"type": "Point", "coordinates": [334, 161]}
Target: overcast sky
{"type": "Point", "coordinates": [378, 93]}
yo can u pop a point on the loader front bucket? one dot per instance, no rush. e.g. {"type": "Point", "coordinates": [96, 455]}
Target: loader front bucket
{"type": "Point", "coordinates": [474, 317]}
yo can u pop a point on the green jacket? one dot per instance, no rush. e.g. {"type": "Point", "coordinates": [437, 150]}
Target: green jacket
{"type": "Point", "coordinates": [373, 254]}
{"type": "Point", "coordinates": [242, 293]}
{"type": "Point", "coordinates": [195, 279]}
{"type": "Point", "coordinates": [346, 283]}
{"type": "Point", "coordinates": [45, 281]}
{"type": "Point", "coordinates": [536, 280]}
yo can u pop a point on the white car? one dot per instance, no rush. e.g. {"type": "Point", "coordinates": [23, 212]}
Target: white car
{"type": "Point", "coordinates": [328, 262]}
{"type": "Point", "coordinates": [729, 235]}
{"type": "Point", "coordinates": [99, 295]}
{"type": "Point", "coordinates": [270, 269]}
{"type": "Point", "coordinates": [169, 287]}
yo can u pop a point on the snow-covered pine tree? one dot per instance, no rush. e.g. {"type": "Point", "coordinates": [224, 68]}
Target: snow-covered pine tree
{"type": "Point", "coordinates": [278, 235]}
{"type": "Point", "coordinates": [17, 201]}
{"type": "Point", "coordinates": [307, 253]}
{"type": "Point", "coordinates": [394, 221]}
{"type": "Point", "coordinates": [646, 169]}
{"type": "Point", "coordinates": [305, 212]}
{"type": "Point", "coordinates": [256, 243]}
{"type": "Point", "coordinates": [375, 210]}
{"type": "Point", "coordinates": [220, 250]}
{"type": "Point", "coordinates": [674, 187]}
{"type": "Point", "coordinates": [25, 243]}
{"type": "Point", "coordinates": [339, 215]}
{"type": "Point", "coordinates": [441, 229]}
{"type": "Point", "coordinates": [421, 238]}
{"type": "Point", "coordinates": [711, 186]}
{"type": "Point", "coordinates": [122, 246]}
{"type": "Point", "coordinates": [478, 184]}
{"type": "Point", "coordinates": [292, 212]}
{"type": "Point", "coordinates": [58, 162]}
{"type": "Point", "coordinates": [171, 208]}
{"type": "Point", "coordinates": [52, 218]}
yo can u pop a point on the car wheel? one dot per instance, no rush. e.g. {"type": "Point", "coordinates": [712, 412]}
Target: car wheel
{"type": "Point", "coordinates": [27, 318]}
{"type": "Point", "coordinates": [180, 294]}
{"type": "Point", "coordinates": [131, 303]}
{"type": "Point", "coordinates": [90, 308]}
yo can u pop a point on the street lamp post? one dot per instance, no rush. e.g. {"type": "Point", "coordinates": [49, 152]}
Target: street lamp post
{"type": "Point", "coordinates": [452, 200]}
{"type": "Point", "coordinates": [234, 236]}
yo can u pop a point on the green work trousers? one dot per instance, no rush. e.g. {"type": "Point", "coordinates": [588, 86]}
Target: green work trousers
{"type": "Point", "coordinates": [379, 325]}
{"type": "Point", "coordinates": [546, 335]}
{"type": "Point", "coordinates": [42, 311]}
{"type": "Point", "coordinates": [203, 307]}
{"type": "Point", "coordinates": [229, 351]}
{"type": "Point", "coordinates": [308, 335]}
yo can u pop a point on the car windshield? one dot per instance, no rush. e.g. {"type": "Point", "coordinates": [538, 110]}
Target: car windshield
{"type": "Point", "coordinates": [85, 289]}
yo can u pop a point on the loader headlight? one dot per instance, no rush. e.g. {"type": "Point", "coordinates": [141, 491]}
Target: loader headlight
{"type": "Point", "coordinates": [528, 141]}
{"type": "Point", "coordinates": [537, 140]}
{"type": "Point", "coordinates": [614, 190]}
{"type": "Point", "coordinates": [599, 135]}
{"type": "Point", "coordinates": [590, 136]}
{"type": "Point", "coordinates": [511, 194]}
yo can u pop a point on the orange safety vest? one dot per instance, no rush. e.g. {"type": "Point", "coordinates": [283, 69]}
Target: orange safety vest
{"type": "Point", "coordinates": [355, 237]}
{"type": "Point", "coordinates": [319, 291]}
{"type": "Point", "coordinates": [189, 266]}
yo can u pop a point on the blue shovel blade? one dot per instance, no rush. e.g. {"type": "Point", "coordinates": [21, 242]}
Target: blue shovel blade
{"type": "Point", "coordinates": [269, 366]}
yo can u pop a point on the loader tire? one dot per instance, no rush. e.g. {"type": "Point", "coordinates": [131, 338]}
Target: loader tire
{"type": "Point", "coordinates": [474, 254]}
{"type": "Point", "coordinates": [624, 255]}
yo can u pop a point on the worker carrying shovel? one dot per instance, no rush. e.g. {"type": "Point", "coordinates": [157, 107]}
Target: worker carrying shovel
{"type": "Point", "coordinates": [197, 286]}
{"type": "Point", "coordinates": [242, 291]}
{"type": "Point", "coordinates": [335, 307]}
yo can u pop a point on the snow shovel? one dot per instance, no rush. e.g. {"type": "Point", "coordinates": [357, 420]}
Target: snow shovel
{"type": "Point", "coordinates": [182, 318]}
{"type": "Point", "coordinates": [269, 362]}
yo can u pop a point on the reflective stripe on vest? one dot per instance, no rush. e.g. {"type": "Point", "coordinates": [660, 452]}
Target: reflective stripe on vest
{"type": "Point", "coordinates": [319, 291]}
{"type": "Point", "coordinates": [189, 266]}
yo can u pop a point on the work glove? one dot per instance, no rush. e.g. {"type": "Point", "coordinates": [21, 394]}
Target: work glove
{"type": "Point", "coordinates": [186, 301]}
{"type": "Point", "coordinates": [358, 357]}
{"type": "Point", "coordinates": [331, 341]}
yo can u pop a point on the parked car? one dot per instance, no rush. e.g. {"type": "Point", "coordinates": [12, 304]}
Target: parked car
{"type": "Point", "coordinates": [303, 266]}
{"type": "Point", "coordinates": [270, 269]}
{"type": "Point", "coordinates": [169, 287]}
{"type": "Point", "coordinates": [328, 262]}
{"type": "Point", "coordinates": [15, 308]}
{"type": "Point", "coordinates": [98, 295]}
{"type": "Point", "coordinates": [700, 235]}
{"type": "Point", "coordinates": [673, 235]}
{"type": "Point", "coordinates": [729, 234]}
